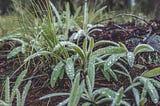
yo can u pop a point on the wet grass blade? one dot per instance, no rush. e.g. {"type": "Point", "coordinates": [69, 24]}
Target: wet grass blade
{"type": "Point", "coordinates": [152, 92]}
{"type": "Point", "coordinates": [152, 73]}
{"type": "Point", "coordinates": [7, 91]}
{"type": "Point", "coordinates": [91, 71]}
{"type": "Point", "coordinates": [40, 53]}
{"type": "Point", "coordinates": [136, 95]}
{"type": "Point", "coordinates": [85, 16]}
{"type": "Point", "coordinates": [70, 68]}
{"type": "Point", "coordinates": [14, 52]}
{"type": "Point", "coordinates": [18, 97]}
{"type": "Point", "coordinates": [130, 58]}
{"type": "Point", "coordinates": [109, 50]}
{"type": "Point", "coordinates": [17, 83]}
{"type": "Point", "coordinates": [111, 61]}
{"type": "Point", "coordinates": [73, 94]}
{"type": "Point", "coordinates": [55, 74]}
{"type": "Point", "coordinates": [56, 13]}
{"type": "Point", "coordinates": [54, 95]}
{"type": "Point", "coordinates": [143, 48]}
{"type": "Point", "coordinates": [155, 83]}
{"type": "Point", "coordinates": [25, 92]}
{"type": "Point", "coordinates": [101, 42]}
{"type": "Point", "coordinates": [118, 98]}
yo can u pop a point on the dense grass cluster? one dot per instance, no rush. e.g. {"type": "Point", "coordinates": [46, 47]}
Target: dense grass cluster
{"type": "Point", "coordinates": [48, 39]}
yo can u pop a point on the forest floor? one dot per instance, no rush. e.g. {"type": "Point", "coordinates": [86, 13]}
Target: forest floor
{"type": "Point", "coordinates": [128, 33]}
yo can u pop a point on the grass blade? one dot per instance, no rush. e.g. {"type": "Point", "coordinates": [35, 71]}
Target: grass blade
{"type": "Point", "coordinates": [14, 52]}
{"type": "Point", "coordinates": [17, 83]}
{"type": "Point", "coordinates": [40, 53]}
{"type": "Point", "coordinates": [25, 92]}
{"type": "Point", "coordinates": [152, 73]}
{"type": "Point", "coordinates": [70, 68]}
{"type": "Point", "coordinates": [73, 94]}
{"type": "Point", "coordinates": [7, 91]}
{"type": "Point", "coordinates": [56, 72]}
{"type": "Point", "coordinates": [143, 48]}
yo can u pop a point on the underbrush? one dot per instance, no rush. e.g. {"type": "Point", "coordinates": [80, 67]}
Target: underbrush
{"type": "Point", "coordinates": [70, 59]}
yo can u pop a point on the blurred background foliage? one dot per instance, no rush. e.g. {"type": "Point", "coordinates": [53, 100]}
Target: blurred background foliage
{"type": "Point", "coordinates": [8, 8]}
{"type": "Point", "coordinates": [148, 7]}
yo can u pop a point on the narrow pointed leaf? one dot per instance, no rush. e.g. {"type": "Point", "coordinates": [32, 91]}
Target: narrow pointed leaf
{"type": "Point", "coordinates": [54, 95]}
{"type": "Point", "coordinates": [25, 92]}
{"type": "Point", "coordinates": [118, 98]}
{"type": "Point", "coordinates": [152, 73]}
{"type": "Point", "coordinates": [14, 52]}
{"type": "Point", "coordinates": [56, 72]}
{"type": "Point", "coordinates": [85, 43]}
{"type": "Point", "coordinates": [109, 50]}
{"type": "Point", "coordinates": [105, 92]}
{"type": "Point", "coordinates": [130, 58]}
{"type": "Point", "coordinates": [111, 61]}
{"type": "Point", "coordinates": [101, 42]}
{"type": "Point", "coordinates": [18, 97]}
{"type": "Point", "coordinates": [152, 92]}
{"type": "Point", "coordinates": [136, 95]}
{"type": "Point", "coordinates": [91, 71]}
{"type": "Point", "coordinates": [40, 53]}
{"type": "Point", "coordinates": [74, 91]}
{"type": "Point", "coordinates": [7, 91]}
{"type": "Point", "coordinates": [91, 45]}
{"type": "Point", "coordinates": [143, 48]}
{"type": "Point", "coordinates": [70, 68]}
{"type": "Point", "coordinates": [17, 83]}
{"type": "Point", "coordinates": [106, 74]}
{"type": "Point", "coordinates": [155, 83]}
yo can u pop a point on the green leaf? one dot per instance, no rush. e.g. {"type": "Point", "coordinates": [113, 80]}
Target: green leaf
{"type": "Point", "coordinates": [18, 97]}
{"type": "Point", "coordinates": [105, 92]}
{"type": "Point", "coordinates": [79, 92]}
{"type": "Point", "coordinates": [89, 87]}
{"type": "Point", "coordinates": [73, 94]}
{"type": "Point", "coordinates": [63, 103]}
{"type": "Point", "coordinates": [86, 104]}
{"type": "Point", "coordinates": [91, 71]}
{"type": "Point", "coordinates": [67, 20]}
{"type": "Point", "coordinates": [2, 103]}
{"type": "Point", "coordinates": [85, 42]}
{"type": "Point", "coordinates": [40, 53]}
{"type": "Point", "coordinates": [112, 74]}
{"type": "Point", "coordinates": [17, 83]}
{"type": "Point", "coordinates": [106, 74]}
{"type": "Point", "coordinates": [7, 91]}
{"type": "Point", "coordinates": [25, 92]}
{"type": "Point", "coordinates": [118, 98]}
{"type": "Point", "coordinates": [152, 92]}
{"type": "Point", "coordinates": [75, 47]}
{"type": "Point", "coordinates": [53, 95]}
{"type": "Point", "coordinates": [70, 68]}
{"type": "Point", "coordinates": [130, 58]}
{"type": "Point", "coordinates": [136, 95]}
{"type": "Point", "coordinates": [85, 16]}
{"type": "Point", "coordinates": [111, 61]}
{"type": "Point", "coordinates": [91, 45]}
{"type": "Point", "coordinates": [101, 42]}
{"type": "Point", "coordinates": [110, 50]}
{"type": "Point", "coordinates": [56, 13]}
{"type": "Point", "coordinates": [152, 73]}
{"type": "Point", "coordinates": [155, 83]}
{"type": "Point", "coordinates": [55, 74]}
{"type": "Point", "coordinates": [14, 52]}
{"type": "Point", "coordinates": [143, 48]}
